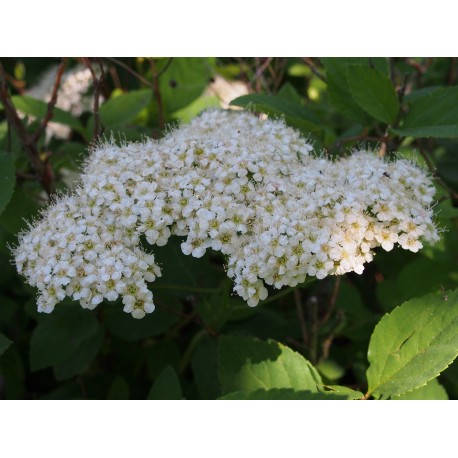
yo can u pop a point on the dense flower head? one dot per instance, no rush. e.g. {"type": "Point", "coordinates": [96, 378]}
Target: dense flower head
{"type": "Point", "coordinates": [230, 182]}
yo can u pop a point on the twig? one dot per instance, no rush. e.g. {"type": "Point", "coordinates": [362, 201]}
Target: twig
{"type": "Point", "coordinates": [309, 62]}
{"type": "Point", "coordinates": [79, 380]}
{"type": "Point", "coordinates": [52, 102]}
{"type": "Point", "coordinates": [326, 347]}
{"type": "Point", "coordinates": [190, 289]}
{"type": "Point", "coordinates": [402, 90]}
{"type": "Point", "coordinates": [42, 169]}
{"type": "Point", "coordinates": [115, 77]}
{"type": "Point", "coordinates": [282, 293]}
{"type": "Point", "coordinates": [332, 300]}
{"type": "Point", "coordinates": [258, 74]}
{"type": "Point", "coordinates": [392, 70]}
{"type": "Point", "coordinates": [313, 328]}
{"type": "Point", "coordinates": [166, 66]}
{"type": "Point", "coordinates": [451, 77]}
{"type": "Point", "coordinates": [190, 350]}
{"type": "Point", "coordinates": [435, 174]}
{"type": "Point", "coordinates": [157, 92]}
{"type": "Point", "coordinates": [276, 70]}
{"type": "Point", "coordinates": [130, 70]}
{"type": "Point", "coordinates": [300, 314]}
{"type": "Point", "coordinates": [187, 319]}
{"type": "Point", "coordinates": [98, 84]}
{"type": "Point", "coordinates": [169, 309]}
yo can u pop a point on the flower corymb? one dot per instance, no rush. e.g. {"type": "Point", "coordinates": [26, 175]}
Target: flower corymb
{"type": "Point", "coordinates": [229, 182]}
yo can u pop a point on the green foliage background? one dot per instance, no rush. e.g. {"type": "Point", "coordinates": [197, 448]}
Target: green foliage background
{"type": "Point", "coordinates": [316, 341]}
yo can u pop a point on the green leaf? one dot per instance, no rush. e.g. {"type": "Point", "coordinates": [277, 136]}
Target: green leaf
{"type": "Point", "coordinates": [204, 365]}
{"type": "Point", "coordinates": [295, 115]}
{"type": "Point", "coordinates": [284, 394]}
{"type": "Point", "coordinates": [418, 277]}
{"type": "Point", "coordinates": [7, 179]}
{"type": "Point", "coordinates": [247, 364]}
{"type": "Point", "coordinates": [4, 343]}
{"type": "Point", "coordinates": [357, 321]}
{"type": "Point", "coordinates": [413, 344]}
{"type": "Point", "coordinates": [12, 371]}
{"type": "Point", "coordinates": [433, 390]}
{"type": "Point", "coordinates": [445, 210]}
{"type": "Point", "coordinates": [289, 93]}
{"type": "Point", "coordinates": [338, 90]}
{"type": "Point", "coordinates": [37, 108]}
{"type": "Point", "coordinates": [345, 391]}
{"type": "Point", "coordinates": [216, 310]}
{"type": "Point", "coordinates": [331, 370]}
{"type": "Point", "coordinates": [373, 92]}
{"type": "Point", "coordinates": [122, 324]}
{"type": "Point", "coordinates": [189, 112]}
{"type": "Point", "coordinates": [21, 206]}
{"type": "Point", "coordinates": [167, 386]}
{"type": "Point", "coordinates": [434, 114]}
{"type": "Point", "coordinates": [119, 389]}
{"type": "Point", "coordinates": [60, 334]}
{"type": "Point", "coordinates": [124, 108]}
{"type": "Point", "coordinates": [184, 81]}
{"type": "Point", "coordinates": [162, 354]}
{"type": "Point", "coordinates": [78, 361]}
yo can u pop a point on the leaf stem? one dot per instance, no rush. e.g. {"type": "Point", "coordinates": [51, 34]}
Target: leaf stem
{"type": "Point", "coordinates": [190, 350]}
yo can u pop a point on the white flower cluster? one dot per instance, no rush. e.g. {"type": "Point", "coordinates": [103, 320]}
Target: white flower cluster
{"type": "Point", "coordinates": [230, 182]}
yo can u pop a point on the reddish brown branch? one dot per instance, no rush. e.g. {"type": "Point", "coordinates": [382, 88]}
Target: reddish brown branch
{"type": "Point", "coordinates": [332, 300]}
{"type": "Point", "coordinates": [157, 92]}
{"type": "Point", "coordinates": [42, 169]}
{"type": "Point", "coordinates": [258, 76]}
{"type": "Point", "coordinates": [52, 102]}
{"type": "Point", "coordinates": [130, 70]}
{"type": "Point", "coordinates": [309, 62]}
{"type": "Point", "coordinates": [98, 83]}
{"type": "Point", "coordinates": [300, 314]}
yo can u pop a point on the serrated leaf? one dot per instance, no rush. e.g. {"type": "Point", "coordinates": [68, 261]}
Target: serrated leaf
{"type": "Point", "coordinates": [4, 343]}
{"type": "Point", "coordinates": [59, 335]}
{"type": "Point", "coordinates": [78, 361]}
{"type": "Point", "coordinates": [124, 108]}
{"type": "Point", "coordinates": [413, 344]}
{"type": "Point", "coordinates": [37, 108]}
{"type": "Point", "coordinates": [295, 115]}
{"type": "Point", "coordinates": [282, 394]}
{"type": "Point", "coordinates": [433, 390]}
{"type": "Point", "coordinates": [167, 386]}
{"type": "Point", "coordinates": [7, 179]}
{"type": "Point", "coordinates": [373, 92]}
{"type": "Point", "coordinates": [247, 364]}
{"type": "Point", "coordinates": [338, 89]}
{"type": "Point", "coordinates": [434, 114]}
